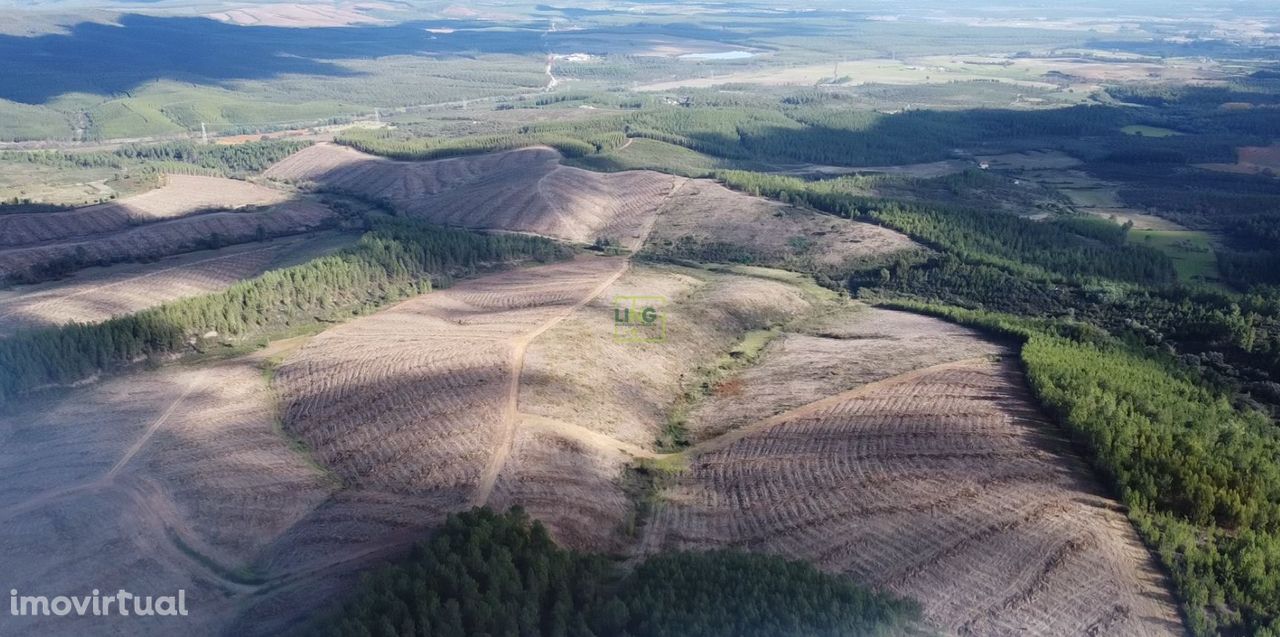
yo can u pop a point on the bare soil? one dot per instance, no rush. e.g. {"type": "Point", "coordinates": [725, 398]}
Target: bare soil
{"type": "Point", "coordinates": [705, 217]}
{"type": "Point", "coordinates": [942, 484]}
{"type": "Point", "coordinates": [97, 294]}
{"type": "Point", "coordinates": [181, 195]}
{"type": "Point", "coordinates": [523, 190]}
{"type": "Point", "coordinates": [170, 237]}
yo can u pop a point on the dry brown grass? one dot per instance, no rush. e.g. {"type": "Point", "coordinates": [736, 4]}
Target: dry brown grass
{"type": "Point", "coordinates": [846, 347]}
{"type": "Point", "coordinates": [181, 195]}
{"type": "Point", "coordinates": [943, 485]}
{"type": "Point", "coordinates": [523, 190]}
{"type": "Point", "coordinates": [589, 403]}
{"type": "Point", "coordinates": [702, 213]}
{"type": "Point", "coordinates": [125, 483]}
{"type": "Point", "coordinates": [579, 373]}
{"type": "Point", "coordinates": [97, 294]}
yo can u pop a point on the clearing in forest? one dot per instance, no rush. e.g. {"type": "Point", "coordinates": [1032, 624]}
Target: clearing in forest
{"type": "Point", "coordinates": [97, 294]}
{"type": "Point", "coordinates": [525, 190]}
{"type": "Point", "coordinates": [181, 195]}
{"type": "Point", "coordinates": [1191, 251]}
{"type": "Point", "coordinates": [168, 237]}
{"type": "Point", "coordinates": [704, 221]}
{"type": "Point", "coordinates": [775, 415]}
{"type": "Point", "coordinates": [1252, 160]}
{"type": "Point", "coordinates": [942, 483]}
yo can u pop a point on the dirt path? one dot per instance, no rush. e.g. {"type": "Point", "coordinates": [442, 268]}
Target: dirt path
{"type": "Point", "coordinates": [587, 436]}
{"type": "Point", "coordinates": [551, 78]}
{"type": "Point", "coordinates": [644, 233]}
{"type": "Point", "coordinates": [149, 511]}
{"type": "Point", "coordinates": [510, 414]}
{"type": "Point", "coordinates": [107, 479]}
{"type": "Point", "coordinates": [152, 429]}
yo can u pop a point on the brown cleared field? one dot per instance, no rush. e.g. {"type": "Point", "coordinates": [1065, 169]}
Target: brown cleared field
{"type": "Point", "coordinates": [165, 238]}
{"type": "Point", "coordinates": [413, 410]}
{"type": "Point", "coordinates": [901, 454]}
{"type": "Point", "coordinates": [1252, 160]}
{"type": "Point", "coordinates": [590, 403]}
{"type": "Point", "coordinates": [412, 399]}
{"type": "Point", "coordinates": [844, 347]}
{"type": "Point", "coordinates": [703, 220]}
{"type": "Point", "coordinates": [97, 294]}
{"type": "Point", "coordinates": [943, 484]}
{"type": "Point", "coordinates": [182, 195]}
{"type": "Point", "coordinates": [580, 374]}
{"type": "Point", "coordinates": [569, 479]}
{"type": "Point", "coordinates": [151, 482]}
{"type": "Point", "coordinates": [889, 446]}
{"type": "Point", "coordinates": [899, 449]}
{"type": "Point", "coordinates": [523, 190]}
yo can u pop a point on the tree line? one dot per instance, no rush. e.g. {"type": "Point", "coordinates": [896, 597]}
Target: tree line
{"type": "Point", "coordinates": [1200, 475]}
{"type": "Point", "coordinates": [395, 145]}
{"type": "Point", "coordinates": [487, 573]}
{"type": "Point", "coordinates": [804, 128]}
{"type": "Point", "coordinates": [1029, 248]}
{"type": "Point", "coordinates": [394, 259]}
{"type": "Point", "coordinates": [221, 159]}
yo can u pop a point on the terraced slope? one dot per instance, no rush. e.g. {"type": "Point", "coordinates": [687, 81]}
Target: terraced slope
{"type": "Point", "coordinates": [705, 221]}
{"type": "Point", "coordinates": [153, 482]}
{"type": "Point", "coordinates": [174, 236]}
{"type": "Point", "coordinates": [943, 484]}
{"type": "Point", "coordinates": [98, 294]}
{"type": "Point", "coordinates": [181, 195]}
{"type": "Point", "coordinates": [523, 190]}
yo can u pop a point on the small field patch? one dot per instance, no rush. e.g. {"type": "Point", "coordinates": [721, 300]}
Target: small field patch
{"type": "Point", "coordinates": [1192, 252]}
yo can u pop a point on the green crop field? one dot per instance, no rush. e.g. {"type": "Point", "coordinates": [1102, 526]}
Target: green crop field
{"type": "Point", "coordinates": [1192, 253]}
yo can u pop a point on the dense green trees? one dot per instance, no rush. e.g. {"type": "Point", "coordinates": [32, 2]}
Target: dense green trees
{"type": "Point", "coordinates": [409, 148]}
{"type": "Point", "coordinates": [811, 128]}
{"type": "Point", "coordinates": [225, 159]}
{"type": "Point", "coordinates": [1028, 248]}
{"type": "Point", "coordinates": [1200, 475]}
{"type": "Point", "coordinates": [484, 573]}
{"type": "Point", "coordinates": [394, 259]}
{"type": "Point", "coordinates": [138, 166]}
{"type": "Point", "coordinates": [233, 159]}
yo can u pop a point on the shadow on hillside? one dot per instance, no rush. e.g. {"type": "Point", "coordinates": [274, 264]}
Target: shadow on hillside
{"type": "Point", "coordinates": [109, 59]}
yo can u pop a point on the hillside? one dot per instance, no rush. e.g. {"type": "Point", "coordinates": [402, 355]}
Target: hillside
{"type": "Point", "coordinates": [522, 190]}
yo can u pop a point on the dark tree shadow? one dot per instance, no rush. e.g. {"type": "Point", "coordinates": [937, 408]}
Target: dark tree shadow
{"type": "Point", "coordinates": [107, 59]}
